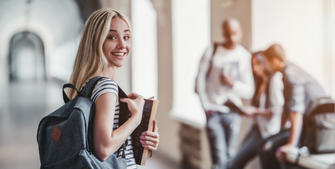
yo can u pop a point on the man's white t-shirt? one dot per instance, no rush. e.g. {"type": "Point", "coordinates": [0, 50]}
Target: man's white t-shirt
{"type": "Point", "coordinates": [235, 63]}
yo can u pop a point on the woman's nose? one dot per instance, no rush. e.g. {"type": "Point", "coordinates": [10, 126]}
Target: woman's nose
{"type": "Point", "coordinates": [120, 44]}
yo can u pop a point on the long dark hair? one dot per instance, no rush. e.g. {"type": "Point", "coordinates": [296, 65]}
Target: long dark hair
{"type": "Point", "coordinates": [259, 81]}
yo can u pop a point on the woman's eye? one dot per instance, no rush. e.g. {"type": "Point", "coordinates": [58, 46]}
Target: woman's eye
{"type": "Point", "coordinates": [126, 37]}
{"type": "Point", "coordinates": [111, 37]}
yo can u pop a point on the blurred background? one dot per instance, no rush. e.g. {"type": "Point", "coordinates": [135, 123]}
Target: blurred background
{"type": "Point", "coordinates": [39, 41]}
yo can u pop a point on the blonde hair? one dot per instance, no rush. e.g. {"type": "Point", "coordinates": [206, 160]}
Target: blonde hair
{"type": "Point", "coordinates": [275, 51]}
{"type": "Point", "coordinates": [90, 59]}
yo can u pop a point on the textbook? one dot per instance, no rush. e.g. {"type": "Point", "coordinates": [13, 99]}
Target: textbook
{"type": "Point", "coordinates": [149, 112]}
{"type": "Point", "coordinates": [233, 107]}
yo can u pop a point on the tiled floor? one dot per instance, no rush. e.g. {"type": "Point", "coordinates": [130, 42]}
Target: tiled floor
{"type": "Point", "coordinates": [22, 106]}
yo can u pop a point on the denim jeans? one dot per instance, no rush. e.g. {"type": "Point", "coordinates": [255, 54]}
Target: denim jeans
{"type": "Point", "coordinates": [249, 149]}
{"type": "Point", "coordinates": [223, 131]}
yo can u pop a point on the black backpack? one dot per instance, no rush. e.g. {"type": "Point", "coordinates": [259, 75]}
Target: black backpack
{"type": "Point", "coordinates": [318, 130]}
{"type": "Point", "coordinates": [65, 137]}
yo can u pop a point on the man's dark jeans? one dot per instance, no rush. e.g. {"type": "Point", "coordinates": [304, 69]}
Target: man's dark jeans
{"type": "Point", "coordinates": [267, 153]}
{"type": "Point", "coordinates": [249, 149]}
{"type": "Point", "coordinates": [223, 131]}
{"type": "Point", "coordinates": [254, 144]}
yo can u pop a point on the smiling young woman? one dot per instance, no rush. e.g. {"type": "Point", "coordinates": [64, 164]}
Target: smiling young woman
{"type": "Point", "coordinates": [105, 46]}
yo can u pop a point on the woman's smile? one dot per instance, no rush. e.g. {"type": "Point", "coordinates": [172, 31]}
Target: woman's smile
{"type": "Point", "coordinates": [118, 53]}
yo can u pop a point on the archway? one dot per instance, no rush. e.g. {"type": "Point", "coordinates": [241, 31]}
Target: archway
{"type": "Point", "coordinates": [26, 57]}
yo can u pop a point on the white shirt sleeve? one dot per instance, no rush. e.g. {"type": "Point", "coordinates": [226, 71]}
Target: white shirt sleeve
{"type": "Point", "coordinates": [201, 79]}
{"type": "Point", "coordinates": [105, 85]}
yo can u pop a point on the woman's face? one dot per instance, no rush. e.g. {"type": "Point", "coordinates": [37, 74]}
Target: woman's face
{"type": "Point", "coordinates": [117, 44]}
{"type": "Point", "coordinates": [257, 67]}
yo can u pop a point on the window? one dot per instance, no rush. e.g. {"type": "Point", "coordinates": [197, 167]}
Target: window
{"type": "Point", "coordinates": [191, 36]}
{"type": "Point", "coordinates": [144, 49]}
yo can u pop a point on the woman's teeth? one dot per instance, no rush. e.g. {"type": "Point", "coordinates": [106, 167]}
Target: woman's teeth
{"type": "Point", "coordinates": [118, 54]}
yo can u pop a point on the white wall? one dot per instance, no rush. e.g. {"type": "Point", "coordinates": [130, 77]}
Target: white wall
{"type": "Point", "coordinates": [62, 59]}
{"type": "Point", "coordinates": [239, 9]}
{"type": "Point", "coordinates": [330, 46]}
{"type": "Point", "coordinates": [299, 26]}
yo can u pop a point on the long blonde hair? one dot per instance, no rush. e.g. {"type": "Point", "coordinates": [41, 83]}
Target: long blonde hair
{"type": "Point", "coordinates": [90, 59]}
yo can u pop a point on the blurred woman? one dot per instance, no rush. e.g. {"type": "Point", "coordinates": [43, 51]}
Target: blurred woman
{"type": "Point", "coordinates": [266, 109]}
{"type": "Point", "coordinates": [105, 46]}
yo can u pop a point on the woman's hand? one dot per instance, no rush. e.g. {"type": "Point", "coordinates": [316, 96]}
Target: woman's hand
{"type": "Point", "coordinates": [135, 104]}
{"type": "Point", "coordinates": [250, 110]}
{"type": "Point", "coordinates": [150, 139]}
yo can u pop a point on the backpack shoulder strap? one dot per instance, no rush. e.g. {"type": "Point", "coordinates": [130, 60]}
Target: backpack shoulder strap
{"type": "Point", "coordinates": [123, 117]}
{"type": "Point", "coordinates": [124, 111]}
{"type": "Point", "coordinates": [211, 60]}
{"type": "Point", "coordinates": [215, 47]}
{"type": "Point", "coordinates": [88, 88]}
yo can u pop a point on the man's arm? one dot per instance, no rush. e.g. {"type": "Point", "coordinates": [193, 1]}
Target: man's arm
{"type": "Point", "coordinates": [296, 124]}
{"type": "Point", "coordinates": [297, 108]}
{"type": "Point", "coordinates": [201, 78]}
{"type": "Point", "coordinates": [283, 120]}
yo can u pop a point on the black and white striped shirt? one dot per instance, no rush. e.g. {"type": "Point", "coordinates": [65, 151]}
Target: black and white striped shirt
{"type": "Point", "coordinates": [107, 85]}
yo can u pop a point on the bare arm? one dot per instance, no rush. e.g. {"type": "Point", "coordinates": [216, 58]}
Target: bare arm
{"type": "Point", "coordinates": [251, 110]}
{"type": "Point", "coordinates": [283, 120]}
{"type": "Point", "coordinates": [296, 123]}
{"type": "Point", "coordinates": [265, 112]}
{"type": "Point", "coordinates": [107, 141]}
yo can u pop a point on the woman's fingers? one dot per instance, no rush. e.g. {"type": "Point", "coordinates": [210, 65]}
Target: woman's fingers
{"type": "Point", "coordinates": [150, 139]}
{"type": "Point", "coordinates": [125, 100]}
{"type": "Point", "coordinates": [135, 104]}
{"type": "Point", "coordinates": [148, 143]}
{"type": "Point", "coordinates": [148, 134]}
{"type": "Point", "coordinates": [134, 95]}
{"type": "Point", "coordinates": [131, 95]}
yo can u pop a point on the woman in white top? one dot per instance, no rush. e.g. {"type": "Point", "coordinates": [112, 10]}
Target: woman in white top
{"type": "Point", "coordinates": [266, 109]}
{"type": "Point", "coordinates": [104, 46]}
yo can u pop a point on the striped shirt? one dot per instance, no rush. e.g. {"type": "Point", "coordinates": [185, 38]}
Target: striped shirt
{"type": "Point", "coordinates": [107, 85]}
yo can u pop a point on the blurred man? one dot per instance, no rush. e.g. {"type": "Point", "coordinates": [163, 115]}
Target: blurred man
{"type": "Point", "coordinates": [299, 89]}
{"type": "Point", "coordinates": [224, 74]}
